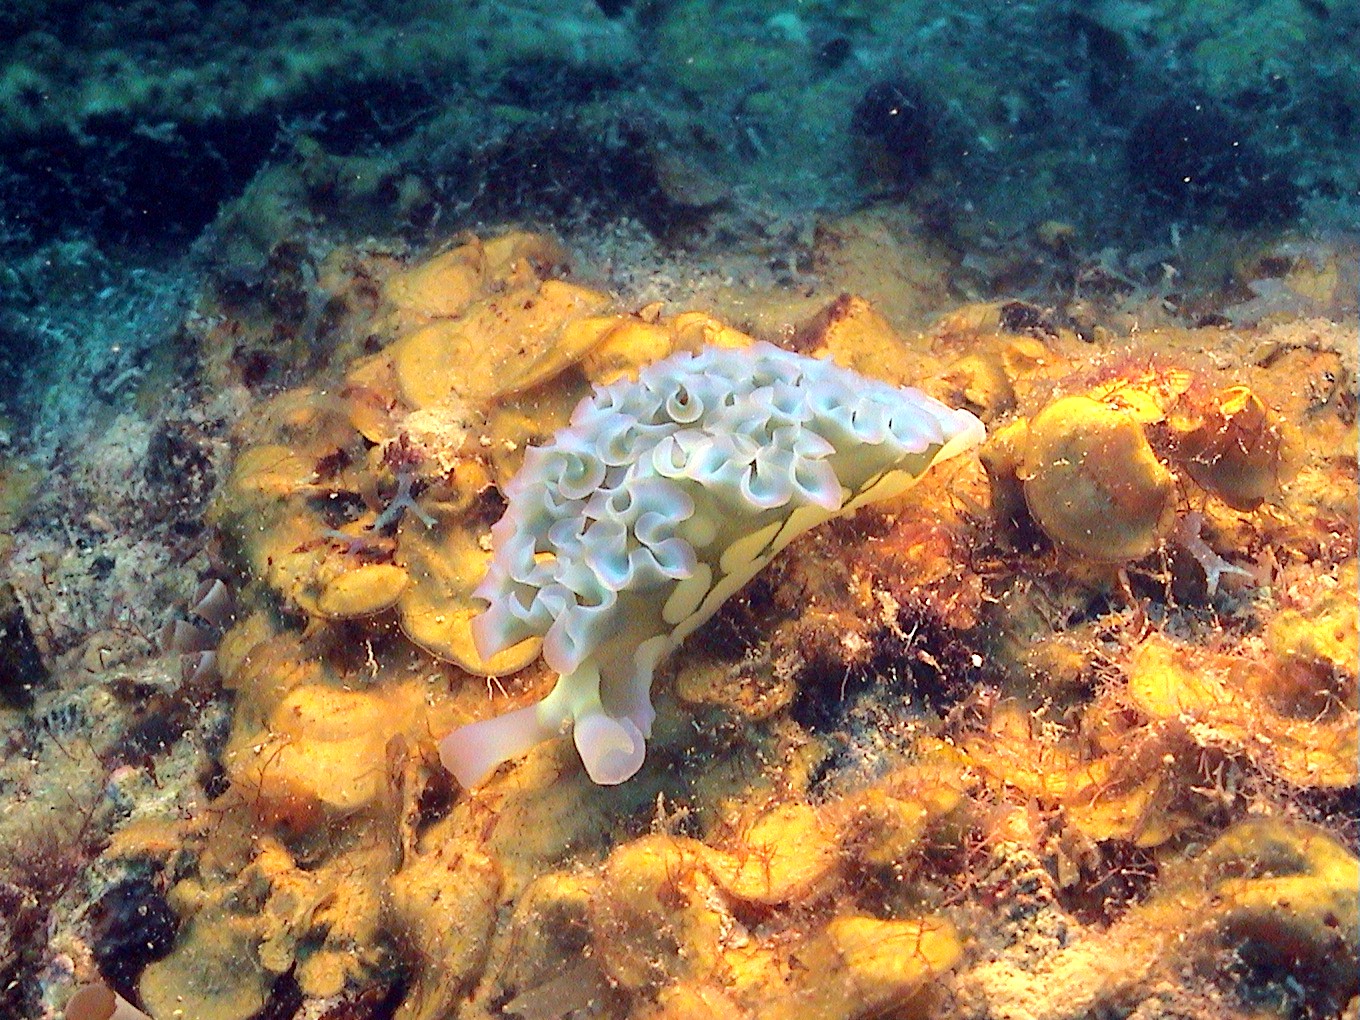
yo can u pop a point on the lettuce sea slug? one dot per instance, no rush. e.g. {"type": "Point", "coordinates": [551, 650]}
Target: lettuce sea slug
{"type": "Point", "coordinates": [658, 501]}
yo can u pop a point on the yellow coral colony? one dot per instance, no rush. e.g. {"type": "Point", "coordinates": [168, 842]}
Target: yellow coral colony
{"type": "Point", "coordinates": [661, 499]}
{"type": "Point", "coordinates": [835, 870]}
{"type": "Point", "coordinates": [1092, 481]}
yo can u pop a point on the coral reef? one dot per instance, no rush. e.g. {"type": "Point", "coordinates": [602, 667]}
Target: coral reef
{"type": "Point", "coordinates": [1068, 729]}
{"type": "Point", "coordinates": [1223, 912]}
{"type": "Point", "coordinates": [961, 750]}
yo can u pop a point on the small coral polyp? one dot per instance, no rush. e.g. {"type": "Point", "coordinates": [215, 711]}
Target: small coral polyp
{"type": "Point", "coordinates": [659, 501]}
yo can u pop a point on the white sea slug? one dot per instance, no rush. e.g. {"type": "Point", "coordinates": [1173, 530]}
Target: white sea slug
{"type": "Point", "coordinates": [660, 500]}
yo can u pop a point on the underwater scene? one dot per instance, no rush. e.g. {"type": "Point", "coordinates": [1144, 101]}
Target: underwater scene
{"type": "Point", "coordinates": [679, 510]}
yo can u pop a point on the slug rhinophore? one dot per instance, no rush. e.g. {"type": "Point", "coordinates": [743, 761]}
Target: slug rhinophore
{"type": "Point", "coordinates": [660, 499]}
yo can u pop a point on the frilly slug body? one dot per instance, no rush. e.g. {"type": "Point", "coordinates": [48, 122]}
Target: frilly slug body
{"type": "Point", "coordinates": [660, 499]}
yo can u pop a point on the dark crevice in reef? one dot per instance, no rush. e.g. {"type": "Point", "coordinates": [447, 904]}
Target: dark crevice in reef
{"type": "Point", "coordinates": [127, 183]}
{"type": "Point", "coordinates": [1336, 809]}
{"type": "Point", "coordinates": [923, 662]}
{"type": "Point", "coordinates": [132, 926]}
{"type": "Point", "coordinates": [919, 667]}
{"type": "Point", "coordinates": [744, 622]}
{"type": "Point", "coordinates": [564, 171]}
{"type": "Point", "coordinates": [1193, 157]}
{"type": "Point", "coordinates": [22, 670]}
{"type": "Point", "coordinates": [285, 999]}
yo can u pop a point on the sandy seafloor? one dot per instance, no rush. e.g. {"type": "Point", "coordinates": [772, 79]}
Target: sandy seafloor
{"type": "Point", "coordinates": [1066, 731]}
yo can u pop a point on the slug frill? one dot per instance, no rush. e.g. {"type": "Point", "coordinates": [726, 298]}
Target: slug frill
{"type": "Point", "coordinates": [660, 500]}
